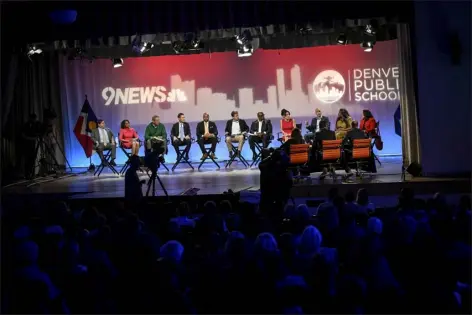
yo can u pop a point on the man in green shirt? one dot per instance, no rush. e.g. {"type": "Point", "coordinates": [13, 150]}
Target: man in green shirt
{"type": "Point", "coordinates": [156, 136]}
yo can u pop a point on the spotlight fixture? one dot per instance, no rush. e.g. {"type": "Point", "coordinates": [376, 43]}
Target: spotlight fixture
{"type": "Point", "coordinates": [245, 51]}
{"type": "Point", "coordinates": [177, 47]}
{"type": "Point", "coordinates": [341, 40]}
{"type": "Point", "coordinates": [367, 46]}
{"type": "Point", "coordinates": [33, 50]}
{"type": "Point", "coordinates": [244, 38]}
{"type": "Point", "coordinates": [117, 62]}
{"type": "Point", "coordinates": [369, 30]}
{"type": "Point", "coordinates": [140, 47]}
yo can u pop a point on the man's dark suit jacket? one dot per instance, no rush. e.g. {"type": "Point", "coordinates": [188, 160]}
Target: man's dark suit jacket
{"type": "Point", "coordinates": [265, 128]}
{"type": "Point", "coordinates": [201, 129]}
{"type": "Point", "coordinates": [242, 125]}
{"type": "Point", "coordinates": [320, 136]}
{"type": "Point", "coordinates": [314, 123]}
{"type": "Point", "coordinates": [356, 133]}
{"type": "Point", "coordinates": [175, 130]}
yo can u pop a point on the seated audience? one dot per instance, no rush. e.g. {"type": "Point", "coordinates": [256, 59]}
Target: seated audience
{"type": "Point", "coordinates": [295, 138]}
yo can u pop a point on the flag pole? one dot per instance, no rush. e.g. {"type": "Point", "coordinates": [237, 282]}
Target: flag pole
{"type": "Point", "coordinates": [91, 167]}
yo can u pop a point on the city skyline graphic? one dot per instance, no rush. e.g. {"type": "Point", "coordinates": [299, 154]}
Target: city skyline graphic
{"type": "Point", "coordinates": [301, 102]}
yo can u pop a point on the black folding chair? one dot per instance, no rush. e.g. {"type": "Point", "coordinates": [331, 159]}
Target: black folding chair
{"type": "Point", "coordinates": [207, 147]}
{"type": "Point", "coordinates": [259, 148]}
{"type": "Point", "coordinates": [181, 155]}
{"type": "Point", "coordinates": [234, 156]}
{"type": "Point", "coordinates": [105, 163]}
{"type": "Point", "coordinates": [128, 161]}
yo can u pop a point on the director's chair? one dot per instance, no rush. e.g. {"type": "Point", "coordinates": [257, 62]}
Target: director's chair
{"type": "Point", "coordinates": [105, 163]}
{"type": "Point", "coordinates": [258, 147]}
{"type": "Point", "coordinates": [235, 155]}
{"type": "Point", "coordinates": [208, 152]}
{"type": "Point", "coordinates": [181, 155]}
{"type": "Point", "coordinates": [127, 152]}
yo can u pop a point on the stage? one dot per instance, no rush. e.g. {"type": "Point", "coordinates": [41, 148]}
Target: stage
{"type": "Point", "coordinates": [83, 185]}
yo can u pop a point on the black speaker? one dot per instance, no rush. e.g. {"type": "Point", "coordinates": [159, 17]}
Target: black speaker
{"type": "Point", "coordinates": [414, 169]}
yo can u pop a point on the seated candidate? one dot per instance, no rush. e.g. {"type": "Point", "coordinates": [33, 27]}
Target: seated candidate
{"type": "Point", "coordinates": [103, 139]}
{"type": "Point", "coordinates": [295, 138]}
{"type": "Point", "coordinates": [343, 123]}
{"type": "Point", "coordinates": [287, 124]}
{"type": "Point", "coordinates": [129, 138]}
{"type": "Point", "coordinates": [261, 130]}
{"type": "Point", "coordinates": [314, 127]}
{"type": "Point", "coordinates": [323, 134]}
{"type": "Point", "coordinates": [235, 130]}
{"type": "Point", "coordinates": [155, 137]}
{"type": "Point", "coordinates": [181, 135]}
{"type": "Point", "coordinates": [368, 123]}
{"type": "Point", "coordinates": [206, 134]}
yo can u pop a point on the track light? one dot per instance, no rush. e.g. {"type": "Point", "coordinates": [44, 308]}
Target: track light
{"type": "Point", "coordinates": [244, 38]}
{"type": "Point", "coordinates": [369, 30]}
{"type": "Point", "coordinates": [341, 40]}
{"type": "Point", "coordinates": [367, 46]}
{"type": "Point", "coordinates": [33, 50]}
{"type": "Point", "coordinates": [245, 48]}
{"type": "Point", "coordinates": [245, 51]}
{"type": "Point", "coordinates": [117, 62]}
{"type": "Point", "coordinates": [141, 47]}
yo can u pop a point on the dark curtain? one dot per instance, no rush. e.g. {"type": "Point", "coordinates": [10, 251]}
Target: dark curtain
{"type": "Point", "coordinates": [31, 87]}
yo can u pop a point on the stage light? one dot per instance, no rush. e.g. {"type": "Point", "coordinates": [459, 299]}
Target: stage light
{"type": "Point", "coordinates": [141, 47]}
{"type": "Point", "coordinates": [33, 50]}
{"type": "Point", "coordinates": [177, 47]}
{"type": "Point", "coordinates": [245, 51]}
{"type": "Point", "coordinates": [367, 46]}
{"type": "Point", "coordinates": [117, 62]}
{"type": "Point", "coordinates": [369, 30]}
{"type": "Point", "coordinates": [244, 38]}
{"type": "Point", "coordinates": [341, 40]}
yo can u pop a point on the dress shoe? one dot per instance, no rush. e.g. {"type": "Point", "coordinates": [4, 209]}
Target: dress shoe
{"type": "Point", "coordinates": [213, 156]}
{"type": "Point", "coordinates": [204, 156]}
{"type": "Point", "coordinates": [324, 173]}
{"type": "Point", "coordinates": [254, 156]}
{"type": "Point", "coordinates": [112, 163]}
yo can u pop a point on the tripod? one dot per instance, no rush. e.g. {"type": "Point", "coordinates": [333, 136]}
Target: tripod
{"type": "Point", "coordinates": [61, 150]}
{"type": "Point", "coordinates": [45, 153]}
{"type": "Point", "coordinates": [152, 181]}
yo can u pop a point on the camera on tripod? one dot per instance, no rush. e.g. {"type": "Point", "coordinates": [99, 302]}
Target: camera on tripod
{"type": "Point", "coordinates": [153, 160]}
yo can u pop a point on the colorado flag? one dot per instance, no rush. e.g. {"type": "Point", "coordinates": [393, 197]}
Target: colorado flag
{"type": "Point", "coordinates": [86, 122]}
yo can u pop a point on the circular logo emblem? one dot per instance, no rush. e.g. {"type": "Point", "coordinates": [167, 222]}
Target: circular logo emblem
{"type": "Point", "coordinates": [329, 86]}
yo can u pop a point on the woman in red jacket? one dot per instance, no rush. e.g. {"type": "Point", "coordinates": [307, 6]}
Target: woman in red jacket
{"type": "Point", "coordinates": [129, 137]}
{"type": "Point", "coordinates": [368, 123]}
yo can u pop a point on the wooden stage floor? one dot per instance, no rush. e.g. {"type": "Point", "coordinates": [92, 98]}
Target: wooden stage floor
{"type": "Point", "coordinates": [210, 181]}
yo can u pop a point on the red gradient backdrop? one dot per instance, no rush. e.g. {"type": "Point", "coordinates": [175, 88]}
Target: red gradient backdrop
{"type": "Point", "coordinates": [218, 83]}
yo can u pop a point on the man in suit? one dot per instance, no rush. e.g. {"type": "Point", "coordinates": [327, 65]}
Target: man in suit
{"type": "Point", "coordinates": [235, 130]}
{"type": "Point", "coordinates": [103, 139]}
{"type": "Point", "coordinates": [261, 130]}
{"type": "Point", "coordinates": [206, 134]}
{"type": "Point", "coordinates": [314, 127]}
{"type": "Point", "coordinates": [181, 135]}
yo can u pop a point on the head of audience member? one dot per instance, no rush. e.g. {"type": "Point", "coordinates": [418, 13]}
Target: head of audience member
{"type": "Point", "coordinates": [206, 117]}
{"type": "Point", "coordinates": [235, 246]}
{"type": "Point", "coordinates": [260, 116]}
{"type": "Point", "coordinates": [209, 208]}
{"type": "Point", "coordinates": [407, 229]}
{"type": "Point", "coordinates": [296, 134]}
{"type": "Point", "coordinates": [318, 112]}
{"type": "Point", "coordinates": [352, 291]}
{"type": "Point", "coordinates": [125, 124]}
{"type": "Point", "coordinates": [265, 244]}
{"type": "Point", "coordinates": [156, 120]}
{"type": "Point", "coordinates": [406, 199]}
{"type": "Point", "coordinates": [349, 197]}
{"type": "Point", "coordinates": [235, 115]}
{"type": "Point", "coordinates": [287, 245]}
{"type": "Point", "coordinates": [285, 114]}
{"type": "Point", "coordinates": [181, 117]}
{"type": "Point", "coordinates": [226, 207]}
{"type": "Point", "coordinates": [310, 241]}
{"type": "Point", "coordinates": [374, 226]}
{"type": "Point", "coordinates": [26, 254]}
{"type": "Point", "coordinates": [183, 209]}
{"type": "Point", "coordinates": [323, 125]}
{"type": "Point", "coordinates": [172, 251]}
{"type": "Point", "coordinates": [366, 114]}
{"type": "Point", "coordinates": [362, 197]}
{"type": "Point", "coordinates": [354, 124]}
{"type": "Point", "coordinates": [101, 123]}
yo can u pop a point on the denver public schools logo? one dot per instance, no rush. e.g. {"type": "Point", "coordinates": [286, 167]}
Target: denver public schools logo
{"type": "Point", "coordinates": [329, 86]}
